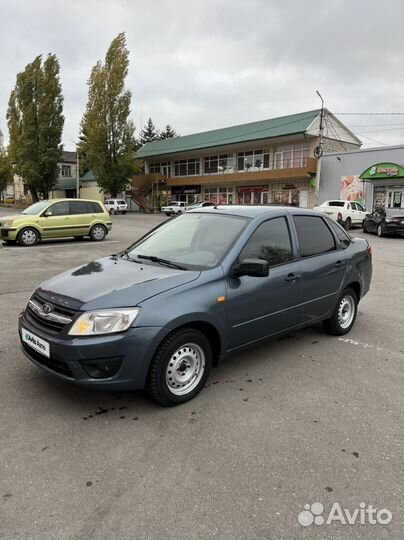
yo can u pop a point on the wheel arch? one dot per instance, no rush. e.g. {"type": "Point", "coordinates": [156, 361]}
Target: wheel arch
{"type": "Point", "coordinates": [356, 287]}
{"type": "Point", "coordinates": [28, 226]}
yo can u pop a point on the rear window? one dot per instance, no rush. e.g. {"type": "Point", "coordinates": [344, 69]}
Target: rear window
{"type": "Point", "coordinates": [314, 236]}
{"type": "Point", "coordinates": [336, 203]}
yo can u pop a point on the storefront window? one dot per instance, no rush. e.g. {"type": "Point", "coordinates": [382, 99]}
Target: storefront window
{"type": "Point", "coordinates": [292, 155]}
{"type": "Point", "coordinates": [187, 167]}
{"type": "Point", "coordinates": [222, 163]}
{"type": "Point", "coordinates": [220, 195]}
{"type": "Point", "coordinates": [253, 160]}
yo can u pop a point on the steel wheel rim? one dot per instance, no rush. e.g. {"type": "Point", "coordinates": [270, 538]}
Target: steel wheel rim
{"type": "Point", "coordinates": [28, 237]}
{"type": "Point", "coordinates": [185, 369]}
{"type": "Point", "coordinates": [98, 233]}
{"type": "Point", "coordinates": [346, 311]}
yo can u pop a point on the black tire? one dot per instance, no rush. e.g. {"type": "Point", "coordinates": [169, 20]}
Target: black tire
{"type": "Point", "coordinates": [123, 212]}
{"type": "Point", "coordinates": [334, 325]}
{"type": "Point", "coordinates": [168, 214]}
{"type": "Point", "coordinates": [98, 233]}
{"type": "Point", "coordinates": [112, 212]}
{"type": "Point", "coordinates": [28, 237]}
{"type": "Point", "coordinates": [347, 224]}
{"type": "Point", "coordinates": [173, 346]}
{"type": "Point", "coordinates": [379, 231]}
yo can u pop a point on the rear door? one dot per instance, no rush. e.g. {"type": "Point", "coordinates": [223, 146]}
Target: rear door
{"type": "Point", "coordinates": [58, 223]}
{"type": "Point", "coordinates": [82, 216]}
{"type": "Point", "coordinates": [262, 306]}
{"type": "Point", "coordinates": [323, 264]}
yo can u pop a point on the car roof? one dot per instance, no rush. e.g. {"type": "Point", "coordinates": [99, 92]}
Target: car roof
{"type": "Point", "coordinates": [72, 199]}
{"type": "Point", "coordinates": [251, 211]}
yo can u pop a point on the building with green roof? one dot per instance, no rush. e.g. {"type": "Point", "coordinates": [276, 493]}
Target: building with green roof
{"type": "Point", "coordinates": [267, 161]}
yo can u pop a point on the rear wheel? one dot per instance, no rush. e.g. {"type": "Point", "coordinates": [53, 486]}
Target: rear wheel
{"type": "Point", "coordinates": [344, 314]}
{"type": "Point", "coordinates": [112, 211]}
{"type": "Point", "coordinates": [28, 237]}
{"type": "Point", "coordinates": [123, 211]}
{"type": "Point", "coordinates": [180, 367]}
{"type": "Point", "coordinates": [98, 233]}
{"type": "Point", "coordinates": [168, 214]}
{"type": "Point", "coordinates": [379, 230]}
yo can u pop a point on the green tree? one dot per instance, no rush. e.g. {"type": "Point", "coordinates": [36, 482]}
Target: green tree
{"type": "Point", "coordinates": [35, 122]}
{"type": "Point", "coordinates": [149, 133]}
{"type": "Point", "coordinates": [107, 134]}
{"type": "Point", "coordinates": [6, 169]}
{"type": "Point", "coordinates": [168, 133]}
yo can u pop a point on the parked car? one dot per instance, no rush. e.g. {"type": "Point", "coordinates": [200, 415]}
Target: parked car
{"type": "Point", "coordinates": [385, 221]}
{"type": "Point", "coordinates": [9, 200]}
{"type": "Point", "coordinates": [55, 219]}
{"type": "Point", "coordinates": [347, 213]}
{"type": "Point", "coordinates": [116, 206]}
{"type": "Point", "coordinates": [174, 208]}
{"type": "Point", "coordinates": [202, 204]}
{"type": "Point", "coordinates": [194, 289]}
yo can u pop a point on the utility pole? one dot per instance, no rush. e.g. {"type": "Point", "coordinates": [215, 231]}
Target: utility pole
{"type": "Point", "coordinates": [318, 151]}
{"type": "Point", "coordinates": [77, 173]}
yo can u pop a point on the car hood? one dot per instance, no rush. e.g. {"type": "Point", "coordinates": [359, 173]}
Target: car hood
{"type": "Point", "coordinates": [13, 217]}
{"type": "Point", "coordinates": [112, 282]}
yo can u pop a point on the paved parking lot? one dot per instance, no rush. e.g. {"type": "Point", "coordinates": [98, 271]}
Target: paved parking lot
{"type": "Point", "coordinates": [308, 418]}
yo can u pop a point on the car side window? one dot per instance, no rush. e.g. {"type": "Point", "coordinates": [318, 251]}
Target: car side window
{"type": "Point", "coordinates": [360, 207]}
{"type": "Point", "coordinates": [340, 233]}
{"type": "Point", "coordinates": [354, 207]}
{"type": "Point", "coordinates": [94, 208]}
{"type": "Point", "coordinates": [60, 208]}
{"type": "Point", "coordinates": [314, 236]}
{"type": "Point", "coordinates": [79, 207]}
{"type": "Point", "coordinates": [271, 242]}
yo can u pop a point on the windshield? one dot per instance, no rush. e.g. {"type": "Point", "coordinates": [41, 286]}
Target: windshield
{"type": "Point", "coordinates": [195, 240]}
{"type": "Point", "coordinates": [36, 208]}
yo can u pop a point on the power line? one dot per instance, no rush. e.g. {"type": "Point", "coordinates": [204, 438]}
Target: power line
{"type": "Point", "coordinates": [373, 140]}
{"type": "Point", "coordinates": [383, 130]}
{"type": "Point", "coordinates": [370, 114]}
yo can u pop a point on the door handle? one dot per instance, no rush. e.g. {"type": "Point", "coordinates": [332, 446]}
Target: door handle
{"type": "Point", "coordinates": [292, 277]}
{"type": "Point", "coordinates": [338, 264]}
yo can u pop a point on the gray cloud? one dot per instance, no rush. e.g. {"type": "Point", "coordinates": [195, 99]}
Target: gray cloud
{"type": "Point", "coordinates": [202, 65]}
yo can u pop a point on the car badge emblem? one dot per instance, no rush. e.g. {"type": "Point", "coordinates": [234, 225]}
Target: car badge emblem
{"type": "Point", "coordinates": [46, 309]}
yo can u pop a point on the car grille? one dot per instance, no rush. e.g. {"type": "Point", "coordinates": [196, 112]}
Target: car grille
{"type": "Point", "coordinates": [52, 323]}
{"type": "Point", "coordinates": [51, 363]}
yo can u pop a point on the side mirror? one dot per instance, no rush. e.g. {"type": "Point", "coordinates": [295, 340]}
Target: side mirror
{"type": "Point", "coordinates": [368, 214]}
{"type": "Point", "coordinates": [251, 267]}
{"type": "Point", "coordinates": [48, 213]}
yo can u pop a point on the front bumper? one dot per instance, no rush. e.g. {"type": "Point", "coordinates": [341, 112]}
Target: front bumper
{"type": "Point", "coordinates": [8, 233]}
{"type": "Point", "coordinates": [69, 359]}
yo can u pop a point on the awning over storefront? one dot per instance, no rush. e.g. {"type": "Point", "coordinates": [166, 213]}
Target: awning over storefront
{"type": "Point", "coordinates": [383, 171]}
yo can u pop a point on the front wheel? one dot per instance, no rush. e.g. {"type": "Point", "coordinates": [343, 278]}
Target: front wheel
{"type": "Point", "coordinates": [379, 231]}
{"type": "Point", "coordinates": [344, 314]}
{"type": "Point", "coordinates": [347, 224]}
{"type": "Point", "coordinates": [180, 367]}
{"type": "Point", "coordinates": [168, 214]}
{"type": "Point", "coordinates": [28, 237]}
{"type": "Point", "coordinates": [98, 233]}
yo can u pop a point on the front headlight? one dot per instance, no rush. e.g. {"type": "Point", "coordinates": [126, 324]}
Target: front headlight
{"type": "Point", "coordinates": [7, 223]}
{"type": "Point", "coordinates": [104, 321]}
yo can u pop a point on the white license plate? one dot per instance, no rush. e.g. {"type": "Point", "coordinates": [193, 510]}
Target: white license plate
{"type": "Point", "coordinates": [35, 342]}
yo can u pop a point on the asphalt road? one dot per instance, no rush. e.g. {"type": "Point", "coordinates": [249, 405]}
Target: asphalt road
{"type": "Point", "coordinates": [308, 418]}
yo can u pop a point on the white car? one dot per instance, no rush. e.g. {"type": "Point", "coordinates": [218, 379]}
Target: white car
{"type": "Point", "coordinates": [200, 205]}
{"type": "Point", "coordinates": [116, 206]}
{"type": "Point", "coordinates": [347, 213]}
{"type": "Point", "coordinates": [175, 207]}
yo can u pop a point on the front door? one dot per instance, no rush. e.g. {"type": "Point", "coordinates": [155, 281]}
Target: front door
{"type": "Point", "coordinates": [56, 221]}
{"type": "Point", "coordinates": [263, 306]}
{"type": "Point", "coordinates": [264, 197]}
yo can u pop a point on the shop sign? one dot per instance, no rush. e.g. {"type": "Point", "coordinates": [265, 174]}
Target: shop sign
{"type": "Point", "coordinates": [289, 186]}
{"type": "Point", "coordinates": [382, 170]}
{"type": "Point", "coordinates": [250, 189]}
{"type": "Point", "coordinates": [185, 190]}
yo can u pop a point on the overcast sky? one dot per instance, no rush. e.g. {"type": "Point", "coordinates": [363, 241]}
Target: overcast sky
{"type": "Point", "coordinates": [206, 64]}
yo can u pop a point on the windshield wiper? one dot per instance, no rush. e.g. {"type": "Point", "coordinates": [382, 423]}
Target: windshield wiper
{"type": "Point", "coordinates": [125, 253]}
{"type": "Point", "coordinates": [165, 262]}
